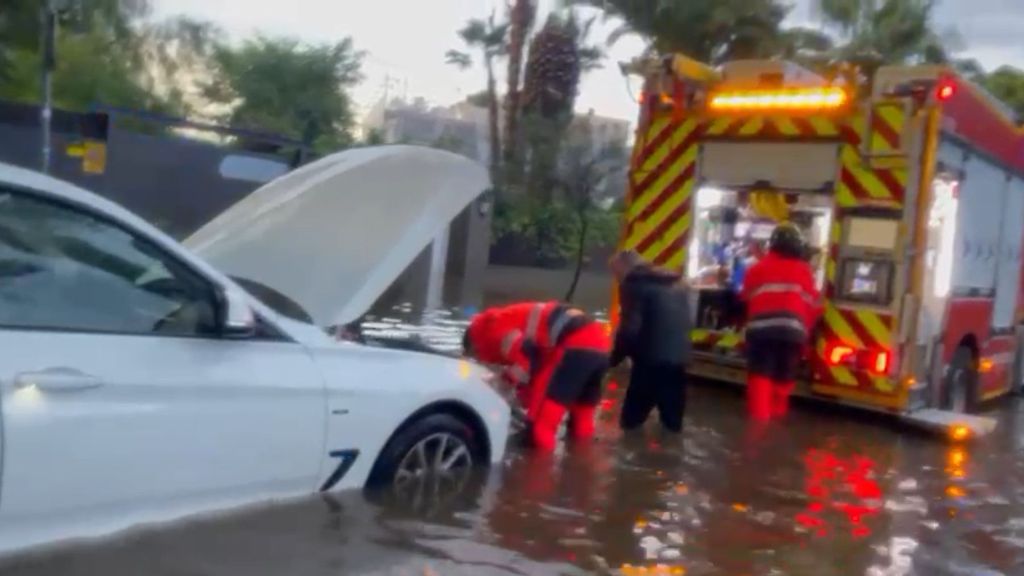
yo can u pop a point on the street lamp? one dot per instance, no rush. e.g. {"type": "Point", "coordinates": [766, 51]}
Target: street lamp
{"type": "Point", "coordinates": [48, 53]}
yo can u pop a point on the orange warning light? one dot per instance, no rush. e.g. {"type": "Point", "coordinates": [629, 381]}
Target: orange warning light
{"type": "Point", "coordinates": [794, 99]}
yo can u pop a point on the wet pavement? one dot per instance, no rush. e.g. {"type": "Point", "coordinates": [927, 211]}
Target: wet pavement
{"type": "Point", "coordinates": [820, 494]}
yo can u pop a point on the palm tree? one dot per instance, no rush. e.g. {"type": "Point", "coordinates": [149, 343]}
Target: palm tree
{"type": "Point", "coordinates": [489, 38]}
{"type": "Point", "coordinates": [707, 30]}
{"type": "Point", "coordinates": [559, 56]}
{"type": "Point", "coordinates": [521, 18]}
{"type": "Point", "coordinates": [894, 31]}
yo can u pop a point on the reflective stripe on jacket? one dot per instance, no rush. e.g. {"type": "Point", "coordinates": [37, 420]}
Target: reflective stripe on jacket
{"type": "Point", "coordinates": [781, 297]}
{"type": "Point", "coordinates": [514, 335]}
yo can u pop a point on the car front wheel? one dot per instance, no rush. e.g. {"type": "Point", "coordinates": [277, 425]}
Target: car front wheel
{"type": "Point", "coordinates": [430, 460]}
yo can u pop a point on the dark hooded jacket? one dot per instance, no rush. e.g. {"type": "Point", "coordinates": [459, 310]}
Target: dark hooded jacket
{"type": "Point", "coordinates": [655, 323]}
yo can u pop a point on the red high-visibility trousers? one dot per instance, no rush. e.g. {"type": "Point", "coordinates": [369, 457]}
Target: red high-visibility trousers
{"type": "Point", "coordinates": [544, 430]}
{"type": "Point", "coordinates": [569, 380]}
{"type": "Point", "coordinates": [767, 399]}
{"type": "Point", "coordinates": [759, 397]}
{"type": "Point", "coordinates": [780, 398]}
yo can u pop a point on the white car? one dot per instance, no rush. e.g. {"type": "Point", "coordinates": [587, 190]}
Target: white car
{"type": "Point", "coordinates": [139, 383]}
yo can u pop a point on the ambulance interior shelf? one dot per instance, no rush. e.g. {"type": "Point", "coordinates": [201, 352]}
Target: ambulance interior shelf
{"type": "Point", "coordinates": [730, 235]}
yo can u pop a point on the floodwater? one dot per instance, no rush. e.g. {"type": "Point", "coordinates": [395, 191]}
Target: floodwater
{"type": "Point", "coordinates": [820, 494]}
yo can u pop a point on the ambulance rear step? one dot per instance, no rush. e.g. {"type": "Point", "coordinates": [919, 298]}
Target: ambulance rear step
{"type": "Point", "coordinates": [956, 426]}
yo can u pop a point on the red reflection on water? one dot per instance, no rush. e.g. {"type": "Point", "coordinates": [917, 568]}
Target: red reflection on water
{"type": "Point", "coordinates": [838, 484]}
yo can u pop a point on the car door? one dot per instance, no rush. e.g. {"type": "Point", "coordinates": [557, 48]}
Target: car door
{"type": "Point", "coordinates": [121, 403]}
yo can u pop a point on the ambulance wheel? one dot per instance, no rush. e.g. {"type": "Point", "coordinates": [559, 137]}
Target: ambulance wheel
{"type": "Point", "coordinates": [961, 382]}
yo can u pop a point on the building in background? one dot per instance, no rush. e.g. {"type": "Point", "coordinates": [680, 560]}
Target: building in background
{"type": "Point", "coordinates": [458, 129]}
{"type": "Point", "coordinates": [455, 128]}
{"type": "Point", "coordinates": [463, 128]}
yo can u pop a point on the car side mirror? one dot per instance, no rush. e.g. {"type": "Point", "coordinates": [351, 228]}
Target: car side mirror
{"type": "Point", "coordinates": [237, 319]}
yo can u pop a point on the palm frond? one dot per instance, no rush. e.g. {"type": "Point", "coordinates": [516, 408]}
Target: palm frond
{"type": "Point", "coordinates": [458, 59]}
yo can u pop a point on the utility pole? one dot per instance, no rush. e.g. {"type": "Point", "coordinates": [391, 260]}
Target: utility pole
{"type": "Point", "coordinates": [48, 19]}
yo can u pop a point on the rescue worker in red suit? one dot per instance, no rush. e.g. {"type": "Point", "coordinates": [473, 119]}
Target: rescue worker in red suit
{"type": "Point", "coordinates": [783, 306]}
{"type": "Point", "coordinates": [556, 355]}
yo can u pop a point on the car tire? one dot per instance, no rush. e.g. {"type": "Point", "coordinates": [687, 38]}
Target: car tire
{"type": "Point", "coordinates": [427, 432]}
{"type": "Point", "coordinates": [961, 382]}
{"type": "Point", "coordinates": [399, 480]}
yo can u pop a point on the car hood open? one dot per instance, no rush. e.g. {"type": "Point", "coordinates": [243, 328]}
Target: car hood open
{"type": "Point", "coordinates": [336, 233]}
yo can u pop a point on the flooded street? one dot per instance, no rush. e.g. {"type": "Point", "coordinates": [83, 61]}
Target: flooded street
{"type": "Point", "coordinates": [820, 494]}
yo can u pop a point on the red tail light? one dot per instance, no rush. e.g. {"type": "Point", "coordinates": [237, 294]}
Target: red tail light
{"type": "Point", "coordinates": [839, 354]}
{"type": "Point", "coordinates": [880, 364]}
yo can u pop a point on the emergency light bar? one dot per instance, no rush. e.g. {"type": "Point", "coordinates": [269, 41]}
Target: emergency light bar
{"type": "Point", "coordinates": [784, 99]}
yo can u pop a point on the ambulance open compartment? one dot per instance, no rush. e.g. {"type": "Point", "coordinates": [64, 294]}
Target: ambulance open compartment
{"type": "Point", "coordinates": [745, 190]}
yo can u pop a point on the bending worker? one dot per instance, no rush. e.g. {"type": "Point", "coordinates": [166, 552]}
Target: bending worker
{"type": "Point", "coordinates": [556, 355]}
{"type": "Point", "coordinates": [783, 305]}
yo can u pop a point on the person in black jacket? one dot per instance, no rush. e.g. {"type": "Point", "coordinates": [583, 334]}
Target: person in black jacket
{"type": "Point", "coordinates": [654, 333]}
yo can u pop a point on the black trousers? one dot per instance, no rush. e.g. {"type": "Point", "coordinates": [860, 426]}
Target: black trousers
{"type": "Point", "coordinates": [777, 359]}
{"type": "Point", "coordinates": [655, 385]}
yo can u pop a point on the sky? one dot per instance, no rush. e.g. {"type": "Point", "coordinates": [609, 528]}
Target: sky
{"type": "Point", "coordinates": [406, 40]}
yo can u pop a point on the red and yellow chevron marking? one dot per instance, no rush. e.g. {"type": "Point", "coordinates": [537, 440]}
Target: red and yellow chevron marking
{"type": "Point", "coordinates": [887, 125]}
{"type": "Point", "coordinates": [773, 127]}
{"type": "Point", "coordinates": [726, 340]}
{"type": "Point", "coordinates": [859, 184]}
{"type": "Point", "coordinates": [861, 330]}
{"type": "Point", "coordinates": [659, 212]}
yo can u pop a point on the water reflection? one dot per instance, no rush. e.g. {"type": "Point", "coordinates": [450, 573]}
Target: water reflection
{"type": "Point", "coordinates": [819, 494]}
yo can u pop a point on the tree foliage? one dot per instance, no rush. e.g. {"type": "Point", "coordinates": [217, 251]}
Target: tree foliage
{"type": "Point", "coordinates": [896, 31]}
{"type": "Point", "coordinates": [109, 52]}
{"type": "Point", "coordinates": [284, 86]}
{"type": "Point", "coordinates": [488, 38]}
{"type": "Point", "coordinates": [586, 168]}
{"type": "Point", "coordinates": [100, 55]}
{"type": "Point", "coordinates": [521, 16]}
{"type": "Point", "coordinates": [20, 28]}
{"type": "Point", "coordinates": [1007, 84]}
{"type": "Point", "coordinates": [708, 30]}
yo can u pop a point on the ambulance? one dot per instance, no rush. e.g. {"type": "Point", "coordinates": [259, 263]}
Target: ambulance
{"type": "Point", "coordinates": [908, 183]}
